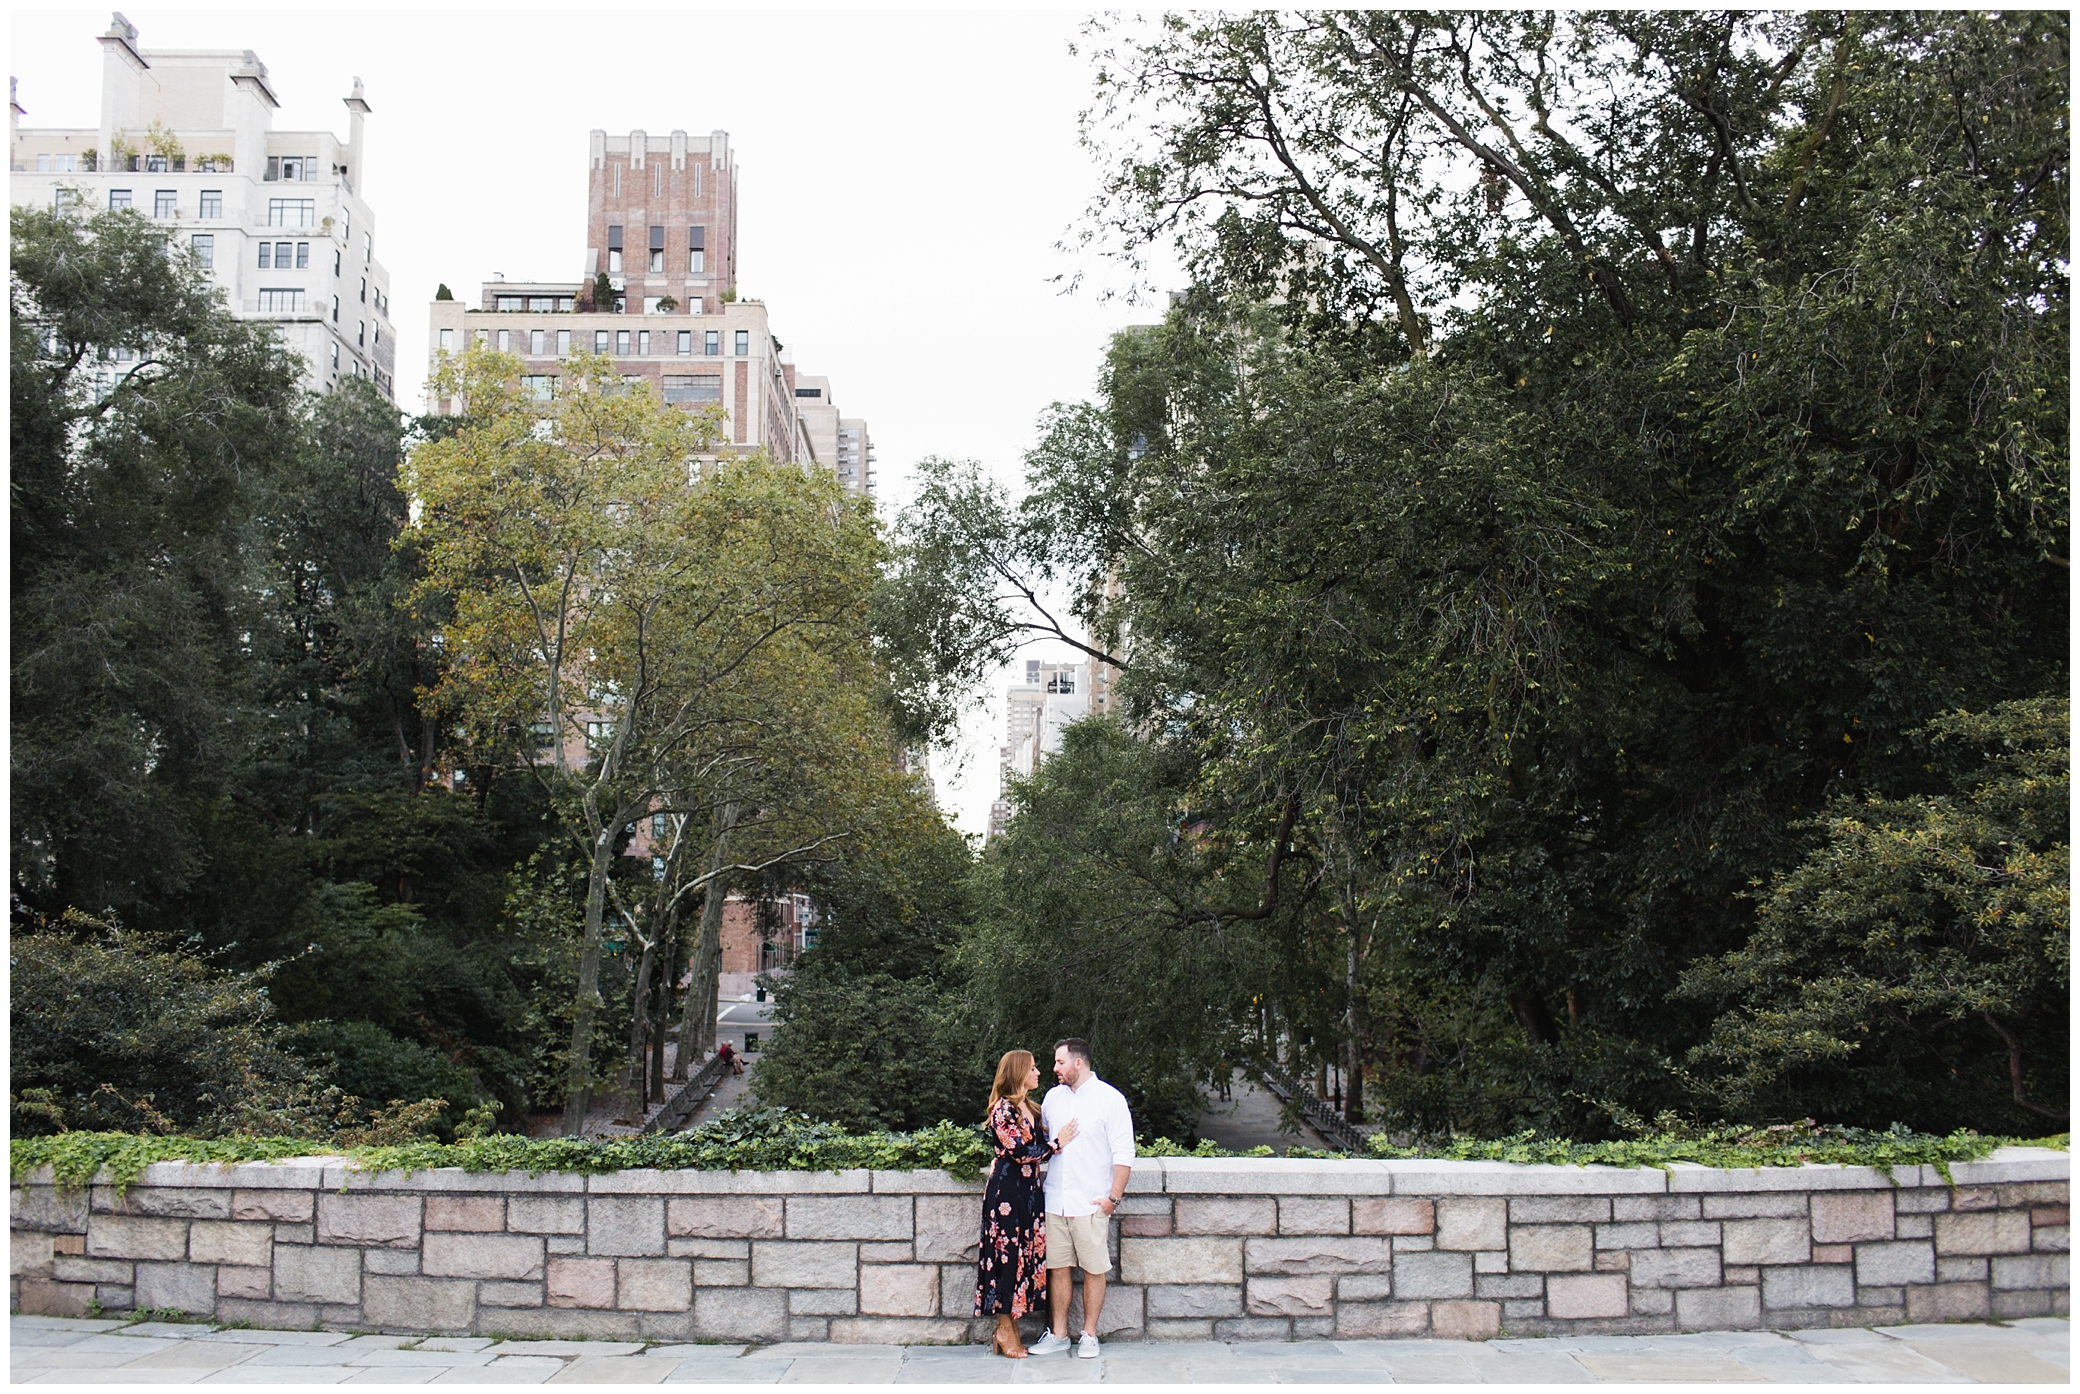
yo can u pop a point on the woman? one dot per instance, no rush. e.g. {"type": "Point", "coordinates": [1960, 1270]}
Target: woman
{"type": "Point", "coordinates": [1011, 1275]}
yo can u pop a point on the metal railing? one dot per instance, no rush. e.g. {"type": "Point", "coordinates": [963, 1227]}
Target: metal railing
{"type": "Point", "coordinates": [684, 1104]}
{"type": "Point", "coordinates": [1324, 1119]}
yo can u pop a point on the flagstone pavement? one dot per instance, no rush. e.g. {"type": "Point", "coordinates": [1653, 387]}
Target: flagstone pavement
{"type": "Point", "coordinates": [58, 1350]}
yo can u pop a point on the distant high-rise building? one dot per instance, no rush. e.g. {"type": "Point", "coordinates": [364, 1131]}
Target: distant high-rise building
{"type": "Point", "coordinates": [277, 218]}
{"type": "Point", "coordinates": [1036, 711]}
{"type": "Point", "coordinates": [658, 291]}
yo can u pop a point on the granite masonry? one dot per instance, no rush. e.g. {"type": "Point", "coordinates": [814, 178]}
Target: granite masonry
{"type": "Point", "coordinates": [1244, 1249]}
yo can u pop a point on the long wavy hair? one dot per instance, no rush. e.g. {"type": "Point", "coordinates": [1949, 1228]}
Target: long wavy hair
{"type": "Point", "coordinates": [1010, 1082]}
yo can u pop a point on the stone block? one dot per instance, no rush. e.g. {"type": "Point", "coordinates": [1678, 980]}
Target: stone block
{"type": "Point", "coordinates": [1491, 1261]}
{"type": "Point", "coordinates": [169, 1202]}
{"type": "Point", "coordinates": [1974, 1197]}
{"type": "Point", "coordinates": [1690, 1234]}
{"type": "Point", "coordinates": [1465, 1321]}
{"type": "Point", "coordinates": [1587, 1295]}
{"type": "Point", "coordinates": [817, 1329]}
{"type": "Point", "coordinates": [1636, 1234]}
{"type": "Point", "coordinates": [1828, 1285]}
{"type": "Point", "coordinates": [1259, 1328]}
{"type": "Point", "coordinates": [1834, 1253]}
{"type": "Point", "coordinates": [123, 1236]}
{"type": "Point", "coordinates": [1318, 1255]}
{"type": "Point", "coordinates": [1393, 1216]}
{"type": "Point", "coordinates": [2051, 1215]}
{"type": "Point", "coordinates": [1437, 1178]}
{"type": "Point", "coordinates": [523, 1295]}
{"type": "Point", "coordinates": [295, 1234]}
{"type": "Point", "coordinates": [390, 1261]}
{"type": "Point", "coordinates": [1226, 1215]}
{"type": "Point", "coordinates": [823, 1302]}
{"type": "Point", "coordinates": [1756, 1205]}
{"type": "Point", "coordinates": [1675, 1268]}
{"type": "Point", "coordinates": [1420, 1244]}
{"type": "Point", "coordinates": [1510, 1285]}
{"type": "Point", "coordinates": [1196, 1300]}
{"type": "Point", "coordinates": [1767, 1241]}
{"type": "Point", "coordinates": [1164, 1329]}
{"type": "Point", "coordinates": [294, 1207]}
{"type": "Point", "coordinates": [1718, 1309]}
{"type": "Point", "coordinates": [948, 1229]}
{"type": "Point", "coordinates": [2010, 1305]}
{"type": "Point", "coordinates": [1362, 1320]}
{"type": "Point", "coordinates": [380, 1221]}
{"type": "Point", "coordinates": [2030, 1271]}
{"type": "Point", "coordinates": [708, 1248]}
{"type": "Point", "coordinates": [1914, 1227]}
{"type": "Point", "coordinates": [899, 1290]}
{"type": "Point", "coordinates": [1894, 1263]}
{"type": "Point", "coordinates": [895, 1251]}
{"type": "Point", "coordinates": [40, 1297]}
{"type": "Point", "coordinates": [45, 1208]}
{"type": "Point", "coordinates": [1740, 1275]}
{"type": "Point", "coordinates": [2051, 1239]}
{"type": "Point", "coordinates": [180, 1287]}
{"type": "Point", "coordinates": [852, 1217]}
{"type": "Point", "coordinates": [1473, 1222]}
{"type": "Point", "coordinates": [1849, 1217]}
{"type": "Point", "coordinates": [1262, 1176]}
{"type": "Point", "coordinates": [513, 1257]}
{"type": "Point", "coordinates": [67, 1269]}
{"type": "Point", "coordinates": [575, 1244]}
{"type": "Point", "coordinates": [721, 1272]}
{"type": "Point", "coordinates": [1126, 1309]}
{"type": "Point", "coordinates": [653, 1284]}
{"type": "Point", "coordinates": [2036, 1193]}
{"type": "Point", "coordinates": [625, 1226]}
{"type": "Point", "coordinates": [957, 1288]}
{"type": "Point", "coordinates": [1437, 1274]}
{"type": "Point", "coordinates": [245, 1282]}
{"type": "Point", "coordinates": [229, 1241]}
{"type": "Point", "coordinates": [1921, 1200]}
{"type": "Point", "coordinates": [1656, 1207]}
{"type": "Point", "coordinates": [898, 1331]}
{"type": "Point", "coordinates": [1204, 1259]}
{"type": "Point", "coordinates": [1961, 1270]}
{"type": "Point", "coordinates": [309, 1273]}
{"type": "Point", "coordinates": [1559, 1210]}
{"type": "Point", "coordinates": [483, 1214]}
{"type": "Point", "coordinates": [1985, 1232]}
{"type": "Point", "coordinates": [545, 1214]}
{"type": "Point", "coordinates": [68, 1243]}
{"type": "Point", "coordinates": [1314, 1215]}
{"type": "Point", "coordinates": [1948, 1302]}
{"type": "Point", "coordinates": [273, 1316]}
{"type": "Point", "coordinates": [30, 1252]}
{"type": "Point", "coordinates": [1364, 1287]}
{"type": "Point", "coordinates": [780, 1263]}
{"type": "Point", "coordinates": [580, 1282]}
{"type": "Point", "coordinates": [1133, 1204]}
{"type": "Point", "coordinates": [418, 1304]}
{"type": "Point", "coordinates": [741, 1314]}
{"type": "Point", "coordinates": [1291, 1297]}
{"type": "Point", "coordinates": [1144, 1226]}
{"type": "Point", "coordinates": [1551, 1249]}
{"type": "Point", "coordinates": [1652, 1302]}
{"type": "Point", "coordinates": [927, 1181]}
{"type": "Point", "coordinates": [1524, 1309]}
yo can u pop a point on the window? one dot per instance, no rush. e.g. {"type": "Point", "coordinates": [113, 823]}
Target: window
{"type": "Point", "coordinates": [698, 387]}
{"type": "Point", "coordinates": [693, 304]}
{"type": "Point", "coordinates": [155, 164]}
{"type": "Point", "coordinates": [685, 342]}
{"type": "Point", "coordinates": [507, 304]}
{"type": "Point", "coordinates": [537, 342]}
{"type": "Point", "coordinates": [361, 333]}
{"type": "Point", "coordinates": [447, 341]}
{"type": "Point", "coordinates": [281, 300]}
{"type": "Point", "coordinates": [166, 204]}
{"type": "Point", "coordinates": [544, 734]}
{"type": "Point", "coordinates": [292, 212]}
{"type": "Point", "coordinates": [599, 341]}
{"type": "Point", "coordinates": [811, 392]}
{"type": "Point", "coordinates": [621, 343]}
{"type": "Point", "coordinates": [335, 309]}
{"type": "Point", "coordinates": [660, 826]}
{"type": "Point", "coordinates": [281, 256]}
{"type": "Point", "coordinates": [303, 255]}
{"type": "Point", "coordinates": [368, 248]}
{"type": "Point", "coordinates": [266, 256]}
{"type": "Point", "coordinates": [643, 342]}
{"type": "Point", "coordinates": [335, 355]}
{"type": "Point", "coordinates": [61, 164]}
{"type": "Point", "coordinates": [657, 258]}
{"type": "Point", "coordinates": [614, 261]}
{"type": "Point", "coordinates": [62, 199]}
{"type": "Point", "coordinates": [540, 386]}
{"type": "Point", "coordinates": [295, 168]}
{"type": "Point", "coordinates": [205, 247]}
{"type": "Point", "coordinates": [118, 198]}
{"type": "Point", "coordinates": [364, 290]}
{"type": "Point", "coordinates": [505, 341]}
{"type": "Point", "coordinates": [696, 250]}
{"type": "Point", "coordinates": [212, 204]}
{"type": "Point", "coordinates": [335, 261]}
{"type": "Point", "coordinates": [541, 303]}
{"type": "Point", "coordinates": [563, 343]}
{"type": "Point", "coordinates": [743, 343]}
{"type": "Point", "coordinates": [597, 734]}
{"type": "Point", "coordinates": [711, 343]}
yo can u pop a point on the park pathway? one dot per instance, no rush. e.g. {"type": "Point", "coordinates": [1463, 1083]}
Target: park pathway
{"type": "Point", "coordinates": [59, 1350]}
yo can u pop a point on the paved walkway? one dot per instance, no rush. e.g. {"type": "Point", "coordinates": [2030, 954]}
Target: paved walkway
{"type": "Point", "coordinates": [57, 1350]}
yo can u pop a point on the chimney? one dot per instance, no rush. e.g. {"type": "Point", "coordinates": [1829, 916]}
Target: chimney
{"type": "Point", "coordinates": [357, 105]}
{"type": "Point", "coordinates": [122, 84]}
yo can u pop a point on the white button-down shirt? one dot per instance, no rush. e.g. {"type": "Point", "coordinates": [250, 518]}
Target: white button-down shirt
{"type": "Point", "coordinates": [1081, 1173]}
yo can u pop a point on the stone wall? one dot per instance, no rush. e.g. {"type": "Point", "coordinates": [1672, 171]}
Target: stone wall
{"type": "Point", "coordinates": [1241, 1248]}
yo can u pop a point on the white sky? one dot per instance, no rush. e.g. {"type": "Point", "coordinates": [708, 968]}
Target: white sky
{"type": "Point", "coordinates": [905, 180]}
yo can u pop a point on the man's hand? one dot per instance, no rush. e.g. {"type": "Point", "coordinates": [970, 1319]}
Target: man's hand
{"type": "Point", "coordinates": [1107, 1202]}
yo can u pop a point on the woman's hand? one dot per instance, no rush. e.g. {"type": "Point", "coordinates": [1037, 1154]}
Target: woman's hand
{"type": "Point", "coordinates": [1061, 1139]}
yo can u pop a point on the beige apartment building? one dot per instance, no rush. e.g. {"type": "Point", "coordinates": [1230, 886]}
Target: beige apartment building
{"type": "Point", "coordinates": [1036, 711]}
{"type": "Point", "coordinates": [276, 218]}
{"type": "Point", "coordinates": [661, 228]}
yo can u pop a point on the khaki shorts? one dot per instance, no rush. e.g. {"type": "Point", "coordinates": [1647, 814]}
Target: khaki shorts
{"type": "Point", "coordinates": [1078, 1241]}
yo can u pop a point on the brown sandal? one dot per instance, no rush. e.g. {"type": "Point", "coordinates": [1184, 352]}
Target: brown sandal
{"type": "Point", "coordinates": [1017, 1352]}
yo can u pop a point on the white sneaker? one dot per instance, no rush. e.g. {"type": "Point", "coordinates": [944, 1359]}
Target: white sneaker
{"type": "Point", "coordinates": [1087, 1348]}
{"type": "Point", "coordinates": [1049, 1344]}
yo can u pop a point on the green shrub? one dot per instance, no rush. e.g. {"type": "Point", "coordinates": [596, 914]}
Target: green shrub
{"type": "Point", "coordinates": [372, 1065]}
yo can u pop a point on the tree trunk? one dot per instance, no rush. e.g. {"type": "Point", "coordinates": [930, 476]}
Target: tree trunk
{"type": "Point", "coordinates": [639, 1037]}
{"type": "Point", "coordinates": [1353, 1026]}
{"type": "Point", "coordinates": [697, 1022]}
{"type": "Point", "coordinates": [577, 1098]}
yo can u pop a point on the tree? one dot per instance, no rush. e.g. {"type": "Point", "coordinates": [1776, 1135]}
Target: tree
{"type": "Point", "coordinates": [607, 588]}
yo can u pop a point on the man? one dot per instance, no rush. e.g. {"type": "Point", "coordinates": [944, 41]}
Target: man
{"type": "Point", "coordinates": [1085, 1182]}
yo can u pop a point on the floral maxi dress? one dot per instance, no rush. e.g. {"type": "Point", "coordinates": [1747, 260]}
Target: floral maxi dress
{"type": "Point", "coordinates": [1011, 1274]}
